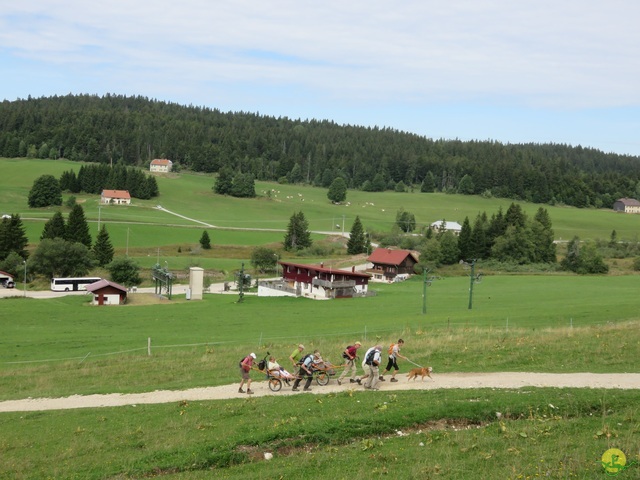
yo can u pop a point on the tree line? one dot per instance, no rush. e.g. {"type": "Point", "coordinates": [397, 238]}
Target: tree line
{"type": "Point", "coordinates": [66, 249]}
{"type": "Point", "coordinates": [135, 130]}
{"type": "Point", "coordinates": [94, 178]}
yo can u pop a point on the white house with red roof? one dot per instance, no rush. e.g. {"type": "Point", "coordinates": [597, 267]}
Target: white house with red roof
{"type": "Point", "coordinates": [115, 197]}
{"type": "Point", "coordinates": [389, 263]}
{"type": "Point", "coordinates": [316, 282]}
{"type": "Point", "coordinates": [161, 165]}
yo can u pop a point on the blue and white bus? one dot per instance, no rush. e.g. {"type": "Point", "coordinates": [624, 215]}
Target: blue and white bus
{"type": "Point", "coordinates": [72, 284]}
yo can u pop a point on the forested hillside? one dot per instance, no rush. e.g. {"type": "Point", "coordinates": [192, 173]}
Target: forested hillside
{"type": "Point", "coordinates": [135, 130]}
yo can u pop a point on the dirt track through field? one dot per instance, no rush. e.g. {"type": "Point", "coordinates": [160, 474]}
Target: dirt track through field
{"type": "Point", "coordinates": [503, 380]}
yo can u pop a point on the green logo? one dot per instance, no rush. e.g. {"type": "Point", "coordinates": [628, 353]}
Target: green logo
{"type": "Point", "coordinates": [614, 461]}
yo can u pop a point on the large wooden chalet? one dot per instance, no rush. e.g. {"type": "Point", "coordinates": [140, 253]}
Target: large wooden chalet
{"type": "Point", "coordinates": [388, 264]}
{"type": "Point", "coordinates": [320, 282]}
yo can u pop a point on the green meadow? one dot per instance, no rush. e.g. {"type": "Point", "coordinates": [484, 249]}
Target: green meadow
{"type": "Point", "coordinates": [53, 347]}
{"type": "Point", "coordinates": [539, 323]}
{"type": "Point", "coordinates": [190, 195]}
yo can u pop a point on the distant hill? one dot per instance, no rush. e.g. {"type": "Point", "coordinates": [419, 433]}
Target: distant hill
{"type": "Point", "coordinates": [135, 130]}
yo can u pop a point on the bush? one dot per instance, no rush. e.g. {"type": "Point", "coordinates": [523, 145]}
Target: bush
{"type": "Point", "coordinates": [125, 271]}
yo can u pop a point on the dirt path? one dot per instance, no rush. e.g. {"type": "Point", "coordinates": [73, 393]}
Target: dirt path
{"type": "Point", "coordinates": [447, 380]}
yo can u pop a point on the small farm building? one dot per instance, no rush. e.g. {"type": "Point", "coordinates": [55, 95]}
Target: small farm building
{"type": "Point", "coordinates": [627, 205]}
{"type": "Point", "coordinates": [107, 293]}
{"type": "Point", "coordinates": [453, 227]}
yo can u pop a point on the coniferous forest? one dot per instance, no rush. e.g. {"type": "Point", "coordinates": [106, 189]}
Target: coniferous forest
{"type": "Point", "coordinates": [132, 131]}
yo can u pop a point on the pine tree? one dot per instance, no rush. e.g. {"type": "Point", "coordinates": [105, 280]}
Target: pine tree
{"type": "Point", "coordinates": [479, 246]}
{"type": "Point", "coordinates": [298, 235]}
{"type": "Point", "coordinates": [428, 184]}
{"type": "Point", "coordinates": [54, 228]}
{"type": "Point", "coordinates": [449, 248]}
{"type": "Point", "coordinates": [466, 186]}
{"type": "Point", "coordinates": [77, 228]}
{"type": "Point", "coordinates": [205, 241]}
{"type": "Point", "coordinates": [515, 216]}
{"type": "Point", "coordinates": [13, 237]}
{"type": "Point", "coordinates": [103, 249]}
{"type": "Point", "coordinates": [543, 237]}
{"type": "Point", "coordinates": [464, 240]}
{"type": "Point", "coordinates": [357, 242]}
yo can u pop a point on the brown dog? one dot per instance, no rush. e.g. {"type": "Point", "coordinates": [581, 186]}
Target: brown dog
{"type": "Point", "coordinates": [423, 372]}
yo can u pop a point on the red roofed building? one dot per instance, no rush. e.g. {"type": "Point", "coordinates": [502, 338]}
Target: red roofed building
{"type": "Point", "coordinates": [319, 282]}
{"type": "Point", "coordinates": [388, 264]}
{"type": "Point", "coordinates": [107, 293]}
{"type": "Point", "coordinates": [115, 197]}
{"type": "Point", "coordinates": [161, 165]}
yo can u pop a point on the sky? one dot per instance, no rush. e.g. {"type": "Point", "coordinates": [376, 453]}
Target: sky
{"type": "Point", "coordinates": [560, 71]}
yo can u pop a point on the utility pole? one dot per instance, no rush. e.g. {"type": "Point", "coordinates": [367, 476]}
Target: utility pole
{"type": "Point", "coordinates": [424, 291]}
{"type": "Point", "coordinates": [426, 282]}
{"type": "Point", "coordinates": [473, 278]}
{"type": "Point", "coordinates": [471, 282]}
{"type": "Point", "coordinates": [24, 292]}
{"type": "Point", "coordinates": [241, 284]}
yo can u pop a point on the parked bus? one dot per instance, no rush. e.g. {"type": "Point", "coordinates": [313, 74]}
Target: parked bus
{"type": "Point", "coordinates": [72, 284]}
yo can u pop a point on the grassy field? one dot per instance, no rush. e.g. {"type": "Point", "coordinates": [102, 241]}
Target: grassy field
{"type": "Point", "coordinates": [191, 195]}
{"type": "Point", "coordinates": [545, 323]}
{"type": "Point", "coordinates": [542, 433]}
{"type": "Point", "coordinates": [542, 323]}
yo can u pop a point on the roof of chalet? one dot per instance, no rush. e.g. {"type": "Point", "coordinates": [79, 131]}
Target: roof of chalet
{"type": "Point", "coordinates": [5, 274]}
{"type": "Point", "coordinates": [388, 256]}
{"type": "Point", "coordinates": [630, 202]}
{"type": "Point", "coordinates": [100, 284]}
{"type": "Point", "coordinates": [116, 194]}
{"type": "Point", "coordinates": [161, 161]}
{"type": "Point", "coordinates": [448, 224]}
{"type": "Point", "coordinates": [322, 268]}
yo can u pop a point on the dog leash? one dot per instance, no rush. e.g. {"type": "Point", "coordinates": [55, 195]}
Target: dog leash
{"type": "Point", "coordinates": [414, 363]}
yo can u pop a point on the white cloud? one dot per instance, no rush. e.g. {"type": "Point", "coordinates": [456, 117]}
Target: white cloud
{"type": "Point", "coordinates": [544, 54]}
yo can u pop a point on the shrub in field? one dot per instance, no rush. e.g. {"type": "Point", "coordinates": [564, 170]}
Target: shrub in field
{"type": "Point", "coordinates": [44, 192]}
{"type": "Point", "coordinates": [125, 271]}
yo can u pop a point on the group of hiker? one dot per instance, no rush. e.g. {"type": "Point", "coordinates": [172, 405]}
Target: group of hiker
{"type": "Point", "coordinates": [304, 366]}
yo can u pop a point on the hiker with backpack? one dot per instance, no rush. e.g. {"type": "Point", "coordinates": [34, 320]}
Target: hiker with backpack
{"type": "Point", "coordinates": [295, 357]}
{"type": "Point", "coordinates": [350, 354]}
{"type": "Point", "coordinates": [394, 353]}
{"type": "Point", "coordinates": [371, 365]}
{"type": "Point", "coordinates": [245, 367]}
{"type": "Point", "coordinates": [306, 371]}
